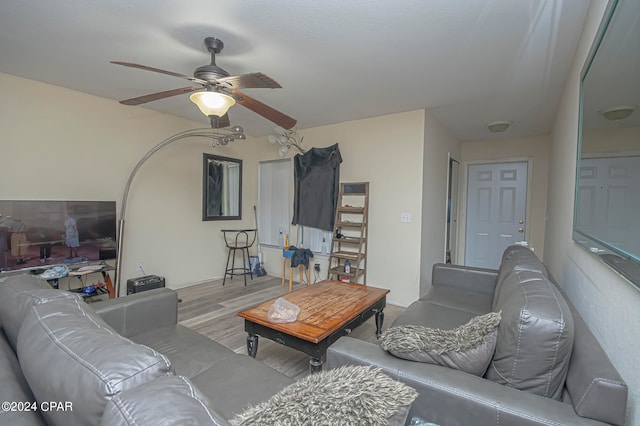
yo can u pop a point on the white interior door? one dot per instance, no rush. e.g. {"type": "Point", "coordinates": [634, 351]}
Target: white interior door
{"type": "Point", "coordinates": [609, 199]}
{"type": "Point", "coordinates": [496, 211]}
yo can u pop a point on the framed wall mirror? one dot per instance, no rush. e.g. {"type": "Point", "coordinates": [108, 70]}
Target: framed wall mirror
{"type": "Point", "coordinates": [607, 204]}
{"type": "Point", "coordinates": [221, 188]}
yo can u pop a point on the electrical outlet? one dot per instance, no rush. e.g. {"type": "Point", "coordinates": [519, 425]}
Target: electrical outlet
{"type": "Point", "coordinates": [140, 267]}
{"type": "Point", "coordinates": [316, 267]}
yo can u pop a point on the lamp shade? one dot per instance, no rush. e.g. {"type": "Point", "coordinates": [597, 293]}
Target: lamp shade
{"type": "Point", "coordinates": [212, 103]}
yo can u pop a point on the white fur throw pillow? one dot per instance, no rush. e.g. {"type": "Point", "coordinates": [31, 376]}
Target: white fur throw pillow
{"type": "Point", "coordinates": [468, 348]}
{"type": "Point", "coordinates": [348, 395]}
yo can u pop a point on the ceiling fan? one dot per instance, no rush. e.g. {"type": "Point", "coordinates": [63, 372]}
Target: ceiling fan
{"type": "Point", "coordinates": [216, 90]}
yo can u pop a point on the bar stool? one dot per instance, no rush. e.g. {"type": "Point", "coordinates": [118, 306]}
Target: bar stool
{"type": "Point", "coordinates": [238, 239]}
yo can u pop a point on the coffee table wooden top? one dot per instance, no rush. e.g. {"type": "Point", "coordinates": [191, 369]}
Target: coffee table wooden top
{"type": "Point", "coordinates": [325, 307]}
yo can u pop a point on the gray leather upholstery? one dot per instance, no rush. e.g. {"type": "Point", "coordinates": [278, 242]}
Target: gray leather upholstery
{"type": "Point", "coordinates": [69, 351]}
{"type": "Point", "coordinates": [595, 387]}
{"type": "Point", "coordinates": [537, 325]}
{"type": "Point", "coordinates": [535, 336]}
{"type": "Point", "coordinates": [18, 295]}
{"type": "Point", "coordinates": [233, 386]}
{"type": "Point", "coordinates": [66, 349]}
{"type": "Point", "coordinates": [190, 352]}
{"type": "Point", "coordinates": [14, 388]}
{"type": "Point", "coordinates": [139, 312]}
{"type": "Point", "coordinates": [173, 400]}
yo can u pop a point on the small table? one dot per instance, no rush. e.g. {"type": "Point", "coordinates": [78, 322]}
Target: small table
{"type": "Point", "coordinates": [287, 255]}
{"type": "Point", "coordinates": [328, 310]}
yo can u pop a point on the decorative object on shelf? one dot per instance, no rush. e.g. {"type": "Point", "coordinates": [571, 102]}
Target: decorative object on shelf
{"type": "Point", "coordinates": [286, 139]}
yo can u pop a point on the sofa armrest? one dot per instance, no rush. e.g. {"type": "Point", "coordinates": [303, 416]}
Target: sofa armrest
{"type": "Point", "coordinates": [133, 314]}
{"type": "Point", "coordinates": [448, 396]}
{"type": "Point", "coordinates": [467, 278]}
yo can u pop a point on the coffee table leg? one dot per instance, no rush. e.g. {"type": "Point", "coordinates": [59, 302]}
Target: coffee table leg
{"type": "Point", "coordinates": [315, 365]}
{"type": "Point", "coordinates": [379, 320]}
{"type": "Point", "coordinates": [252, 345]}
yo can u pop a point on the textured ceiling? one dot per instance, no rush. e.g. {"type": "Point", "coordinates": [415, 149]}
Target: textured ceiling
{"type": "Point", "coordinates": [470, 62]}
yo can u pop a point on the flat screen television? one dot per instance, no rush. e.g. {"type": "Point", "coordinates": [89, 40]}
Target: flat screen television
{"type": "Point", "coordinates": [36, 234]}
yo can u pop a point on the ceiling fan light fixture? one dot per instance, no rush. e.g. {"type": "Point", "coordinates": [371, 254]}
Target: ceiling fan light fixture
{"type": "Point", "coordinates": [618, 112]}
{"type": "Point", "coordinates": [498, 126]}
{"type": "Point", "coordinates": [212, 103]}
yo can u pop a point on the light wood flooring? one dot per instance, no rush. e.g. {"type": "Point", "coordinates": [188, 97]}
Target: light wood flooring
{"type": "Point", "coordinates": [210, 309]}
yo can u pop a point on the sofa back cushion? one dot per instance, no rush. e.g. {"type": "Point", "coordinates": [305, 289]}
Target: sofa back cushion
{"type": "Point", "coordinates": [170, 401]}
{"type": "Point", "coordinates": [18, 293]}
{"type": "Point", "coordinates": [68, 353]}
{"type": "Point", "coordinates": [14, 389]}
{"type": "Point", "coordinates": [535, 336]}
{"type": "Point", "coordinates": [516, 258]}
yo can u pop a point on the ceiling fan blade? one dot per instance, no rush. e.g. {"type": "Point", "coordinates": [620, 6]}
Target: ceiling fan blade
{"type": "Point", "coordinates": [158, 70]}
{"type": "Point", "coordinates": [160, 95]}
{"type": "Point", "coordinates": [264, 110]}
{"type": "Point", "coordinates": [256, 80]}
{"type": "Point", "coordinates": [221, 122]}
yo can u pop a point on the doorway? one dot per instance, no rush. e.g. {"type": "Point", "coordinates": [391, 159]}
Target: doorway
{"type": "Point", "coordinates": [496, 211]}
{"type": "Point", "coordinates": [452, 212]}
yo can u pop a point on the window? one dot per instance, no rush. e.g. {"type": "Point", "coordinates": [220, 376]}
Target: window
{"type": "Point", "coordinates": [274, 201]}
{"type": "Point", "coordinates": [316, 240]}
{"type": "Point", "coordinates": [274, 205]}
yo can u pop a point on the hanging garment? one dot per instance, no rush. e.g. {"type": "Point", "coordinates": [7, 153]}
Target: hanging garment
{"type": "Point", "coordinates": [316, 187]}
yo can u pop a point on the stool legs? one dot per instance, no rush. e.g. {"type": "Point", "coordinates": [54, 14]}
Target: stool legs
{"type": "Point", "coordinates": [232, 257]}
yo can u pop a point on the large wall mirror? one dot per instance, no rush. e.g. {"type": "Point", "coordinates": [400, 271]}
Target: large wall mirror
{"type": "Point", "coordinates": [221, 188]}
{"type": "Point", "coordinates": [607, 207]}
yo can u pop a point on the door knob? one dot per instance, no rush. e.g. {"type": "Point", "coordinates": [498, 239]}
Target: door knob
{"type": "Point", "coordinates": [521, 230]}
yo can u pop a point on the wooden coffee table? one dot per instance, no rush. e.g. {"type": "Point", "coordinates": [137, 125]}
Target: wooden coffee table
{"type": "Point", "coordinates": [328, 311]}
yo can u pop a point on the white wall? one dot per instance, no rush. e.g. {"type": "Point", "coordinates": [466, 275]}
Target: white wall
{"type": "Point", "coordinates": [438, 144]}
{"type": "Point", "coordinates": [608, 303]}
{"type": "Point", "coordinates": [59, 144]}
{"type": "Point", "coordinates": [387, 152]}
{"type": "Point", "coordinates": [534, 148]}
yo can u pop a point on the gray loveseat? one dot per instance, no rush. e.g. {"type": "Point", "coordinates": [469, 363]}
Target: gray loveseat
{"type": "Point", "coordinates": [118, 362]}
{"type": "Point", "coordinates": [547, 368]}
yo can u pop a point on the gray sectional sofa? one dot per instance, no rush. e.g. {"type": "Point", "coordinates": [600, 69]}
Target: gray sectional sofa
{"type": "Point", "coordinates": [118, 362]}
{"type": "Point", "coordinates": [547, 368]}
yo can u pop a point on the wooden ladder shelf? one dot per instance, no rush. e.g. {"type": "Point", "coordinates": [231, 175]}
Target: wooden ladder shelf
{"type": "Point", "coordinates": [349, 241]}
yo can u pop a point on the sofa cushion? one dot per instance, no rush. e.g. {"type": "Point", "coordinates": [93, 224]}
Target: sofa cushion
{"type": "Point", "coordinates": [18, 293]}
{"type": "Point", "coordinates": [461, 299]}
{"type": "Point", "coordinates": [432, 315]}
{"type": "Point", "coordinates": [346, 395]}
{"type": "Point", "coordinates": [468, 347]}
{"type": "Point", "coordinates": [535, 336]}
{"type": "Point", "coordinates": [516, 258]}
{"type": "Point", "coordinates": [170, 401]}
{"type": "Point", "coordinates": [14, 389]}
{"type": "Point", "coordinates": [190, 352]}
{"type": "Point", "coordinates": [239, 381]}
{"type": "Point", "coordinates": [68, 353]}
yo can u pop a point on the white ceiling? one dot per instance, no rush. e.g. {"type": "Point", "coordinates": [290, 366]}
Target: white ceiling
{"type": "Point", "coordinates": [470, 62]}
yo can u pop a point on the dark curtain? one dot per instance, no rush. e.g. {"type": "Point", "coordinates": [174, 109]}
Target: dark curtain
{"type": "Point", "coordinates": [316, 186]}
{"type": "Point", "coordinates": [214, 195]}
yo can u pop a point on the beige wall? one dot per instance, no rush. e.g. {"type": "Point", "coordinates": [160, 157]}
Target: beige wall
{"type": "Point", "coordinates": [608, 303]}
{"type": "Point", "coordinates": [534, 148]}
{"type": "Point", "coordinates": [60, 144]}
{"type": "Point", "coordinates": [82, 147]}
{"type": "Point", "coordinates": [438, 144]}
{"type": "Point", "coordinates": [387, 152]}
